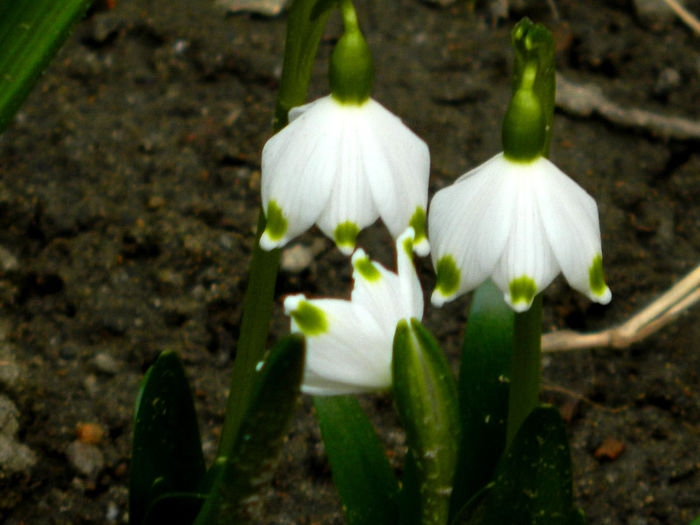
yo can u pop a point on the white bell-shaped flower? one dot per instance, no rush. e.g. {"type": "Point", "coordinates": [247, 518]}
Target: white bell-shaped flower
{"type": "Point", "coordinates": [349, 343]}
{"type": "Point", "coordinates": [520, 223]}
{"type": "Point", "coordinates": [342, 166]}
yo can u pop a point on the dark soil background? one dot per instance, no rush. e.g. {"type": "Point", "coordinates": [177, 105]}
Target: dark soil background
{"type": "Point", "coordinates": [128, 198]}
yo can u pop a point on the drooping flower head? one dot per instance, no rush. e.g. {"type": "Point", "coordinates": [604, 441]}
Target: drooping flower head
{"type": "Point", "coordinates": [517, 218]}
{"type": "Point", "coordinates": [349, 343]}
{"type": "Point", "coordinates": [344, 161]}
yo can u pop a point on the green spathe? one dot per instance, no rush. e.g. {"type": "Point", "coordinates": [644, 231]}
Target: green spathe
{"type": "Point", "coordinates": [596, 277]}
{"type": "Point", "coordinates": [310, 319]}
{"type": "Point", "coordinates": [447, 280]}
{"type": "Point", "coordinates": [276, 223]}
{"type": "Point", "coordinates": [522, 290]}
{"type": "Point", "coordinates": [345, 234]}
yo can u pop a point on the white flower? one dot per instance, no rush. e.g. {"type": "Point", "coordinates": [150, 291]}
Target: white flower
{"type": "Point", "coordinates": [342, 166]}
{"type": "Point", "coordinates": [349, 343]}
{"type": "Point", "coordinates": [520, 223]}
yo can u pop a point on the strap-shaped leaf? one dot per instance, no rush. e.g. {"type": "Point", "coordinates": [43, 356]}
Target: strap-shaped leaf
{"type": "Point", "coordinates": [361, 472]}
{"type": "Point", "coordinates": [483, 392]}
{"type": "Point", "coordinates": [426, 400]}
{"type": "Point", "coordinates": [31, 32]}
{"type": "Point", "coordinates": [238, 475]}
{"type": "Point", "coordinates": [533, 483]}
{"type": "Point", "coordinates": [166, 452]}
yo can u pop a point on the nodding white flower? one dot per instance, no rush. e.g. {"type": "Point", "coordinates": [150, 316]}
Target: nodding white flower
{"type": "Point", "coordinates": [341, 166]}
{"type": "Point", "coordinates": [349, 343]}
{"type": "Point", "coordinates": [520, 223]}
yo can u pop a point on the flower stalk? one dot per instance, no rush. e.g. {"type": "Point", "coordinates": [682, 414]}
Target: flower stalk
{"type": "Point", "coordinates": [304, 29]}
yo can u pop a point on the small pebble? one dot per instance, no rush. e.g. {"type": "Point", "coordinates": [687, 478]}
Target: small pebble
{"type": "Point", "coordinates": [296, 259]}
{"type": "Point", "coordinates": [260, 7]}
{"type": "Point", "coordinates": [106, 364]}
{"type": "Point", "coordinates": [85, 458]}
{"type": "Point", "coordinates": [8, 261]}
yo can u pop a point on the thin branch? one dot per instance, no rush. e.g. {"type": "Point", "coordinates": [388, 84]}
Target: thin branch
{"type": "Point", "coordinates": [685, 15]}
{"type": "Point", "coordinates": [659, 313]}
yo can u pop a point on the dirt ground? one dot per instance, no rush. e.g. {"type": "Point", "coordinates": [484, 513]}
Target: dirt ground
{"type": "Point", "coordinates": [128, 197]}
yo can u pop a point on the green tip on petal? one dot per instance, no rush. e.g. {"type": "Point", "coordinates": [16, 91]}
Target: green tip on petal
{"type": "Point", "coordinates": [276, 225]}
{"type": "Point", "coordinates": [417, 222]}
{"type": "Point", "coordinates": [596, 278]}
{"type": "Point", "coordinates": [366, 269]}
{"type": "Point", "coordinates": [522, 291]}
{"type": "Point", "coordinates": [345, 235]}
{"type": "Point", "coordinates": [448, 276]}
{"type": "Point", "coordinates": [310, 319]}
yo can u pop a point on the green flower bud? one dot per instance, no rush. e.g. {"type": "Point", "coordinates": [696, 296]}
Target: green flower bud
{"type": "Point", "coordinates": [524, 127]}
{"type": "Point", "coordinates": [351, 69]}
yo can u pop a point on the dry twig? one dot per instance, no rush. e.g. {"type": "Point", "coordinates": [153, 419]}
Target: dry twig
{"type": "Point", "coordinates": [662, 311]}
{"type": "Point", "coordinates": [586, 99]}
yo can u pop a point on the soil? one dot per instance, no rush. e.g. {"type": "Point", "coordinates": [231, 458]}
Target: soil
{"type": "Point", "coordinates": [128, 201]}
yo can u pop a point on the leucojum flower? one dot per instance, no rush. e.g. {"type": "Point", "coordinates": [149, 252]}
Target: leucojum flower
{"type": "Point", "coordinates": [349, 343]}
{"type": "Point", "coordinates": [518, 219]}
{"type": "Point", "coordinates": [344, 161]}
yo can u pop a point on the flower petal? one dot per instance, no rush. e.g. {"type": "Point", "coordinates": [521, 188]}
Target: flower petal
{"type": "Point", "coordinates": [397, 164]}
{"type": "Point", "coordinates": [469, 223]}
{"type": "Point", "coordinates": [297, 172]}
{"type": "Point", "coordinates": [527, 265]}
{"type": "Point", "coordinates": [388, 296]}
{"type": "Point", "coordinates": [350, 206]}
{"type": "Point", "coordinates": [341, 358]}
{"type": "Point", "coordinates": [570, 219]}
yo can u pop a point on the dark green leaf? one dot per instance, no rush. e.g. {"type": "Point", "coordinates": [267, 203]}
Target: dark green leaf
{"type": "Point", "coordinates": [483, 392]}
{"type": "Point", "coordinates": [533, 483]}
{"type": "Point", "coordinates": [30, 34]}
{"type": "Point", "coordinates": [361, 472]}
{"type": "Point", "coordinates": [239, 473]}
{"type": "Point", "coordinates": [166, 452]}
{"type": "Point", "coordinates": [426, 401]}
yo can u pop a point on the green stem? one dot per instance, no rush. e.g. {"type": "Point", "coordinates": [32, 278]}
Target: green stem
{"type": "Point", "coordinates": [525, 367]}
{"type": "Point", "coordinates": [304, 29]}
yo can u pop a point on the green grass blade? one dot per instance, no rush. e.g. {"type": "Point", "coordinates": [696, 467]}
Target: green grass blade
{"type": "Point", "coordinates": [483, 392]}
{"type": "Point", "coordinates": [166, 452]}
{"type": "Point", "coordinates": [361, 472]}
{"type": "Point", "coordinates": [31, 32]}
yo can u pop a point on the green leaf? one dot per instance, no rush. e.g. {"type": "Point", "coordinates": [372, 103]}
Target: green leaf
{"type": "Point", "coordinates": [31, 32]}
{"type": "Point", "coordinates": [166, 454]}
{"type": "Point", "coordinates": [483, 392]}
{"type": "Point", "coordinates": [426, 401]}
{"type": "Point", "coordinates": [361, 472]}
{"type": "Point", "coordinates": [533, 483]}
{"type": "Point", "coordinates": [240, 472]}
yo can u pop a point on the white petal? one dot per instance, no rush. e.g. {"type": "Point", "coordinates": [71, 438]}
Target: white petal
{"type": "Point", "coordinates": [570, 219]}
{"type": "Point", "coordinates": [388, 296]}
{"type": "Point", "coordinates": [351, 355]}
{"type": "Point", "coordinates": [397, 164]}
{"type": "Point", "coordinates": [470, 221]}
{"type": "Point", "coordinates": [527, 254]}
{"type": "Point", "coordinates": [298, 168]}
{"type": "Point", "coordinates": [350, 198]}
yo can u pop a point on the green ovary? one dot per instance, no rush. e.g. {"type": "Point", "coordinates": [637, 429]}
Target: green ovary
{"type": "Point", "coordinates": [367, 270]}
{"type": "Point", "coordinates": [447, 276]}
{"type": "Point", "coordinates": [345, 234]}
{"type": "Point", "coordinates": [522, 290]}
{"type": "Point", "coordinates": [417, 222]}
{"type": "Point", "coordinates": [276, 225]}
{"type": "Point", "coordinates": [596, 278]}
{"type": "Point", "coordinates": [310, 319]}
